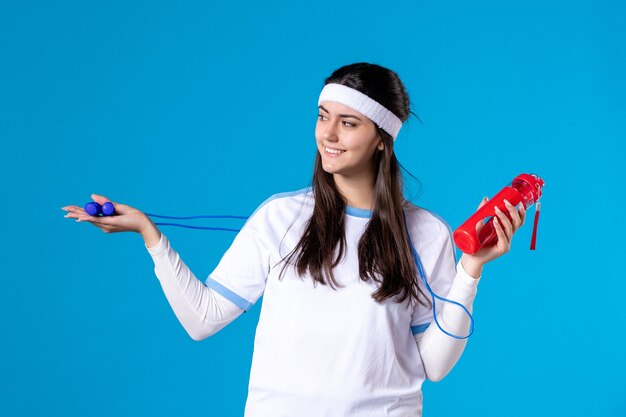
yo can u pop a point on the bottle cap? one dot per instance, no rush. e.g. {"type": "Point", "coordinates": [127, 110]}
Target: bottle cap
{"type": "Point", "coordinates": [535, 183]}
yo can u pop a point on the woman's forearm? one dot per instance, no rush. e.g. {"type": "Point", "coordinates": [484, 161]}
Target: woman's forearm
{"type": "Point", "coordinates": [201, 310]}
{"type": "Point", "coordinates": [150, 233]}
{"type": "Point", "coordinates": [470, 266]}
{"type": "Point", "coordinates": [439, 351]}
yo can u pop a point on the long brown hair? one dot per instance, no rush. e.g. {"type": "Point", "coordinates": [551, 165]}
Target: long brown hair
{"type": "Point", "coordinates": [383, 249]}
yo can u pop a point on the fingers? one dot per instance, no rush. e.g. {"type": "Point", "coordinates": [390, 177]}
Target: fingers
{"type": "Point", "coordinates": [84, 217]}
{"type": "Point", "coordinates": [80, 215]}
{"type": "Point", "coordinates": [73, 212]}
{"type": "Point", "coordinates": [73, 209]}
{"type": "Point", "coordinates": [103, 223]}
{"type": "Point", "coordinates": [515, 216]}
{"type": "Point", "coordinates": [503, 243]}
{"type": "Point", "coordinates": [479, 226]}
{"type": "Point", "coordinates": [99, 222]}
{"type": "Point", "coordinates": [504, 223]}
{"type": "Point", "coordinates": [522, 213]}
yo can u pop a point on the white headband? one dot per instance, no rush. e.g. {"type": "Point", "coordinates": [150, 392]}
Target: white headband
{"type": "Point", "coordinates": [363, 104]}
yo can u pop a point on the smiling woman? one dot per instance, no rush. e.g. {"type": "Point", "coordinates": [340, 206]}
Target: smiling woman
{"type": "Point", "coordinates": [346, 148]}
{"type": "Point", "coordinates": [360, 343]}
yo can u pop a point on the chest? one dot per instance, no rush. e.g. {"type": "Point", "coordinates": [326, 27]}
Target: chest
{"type": "Point", "coordinates": [298, 305]}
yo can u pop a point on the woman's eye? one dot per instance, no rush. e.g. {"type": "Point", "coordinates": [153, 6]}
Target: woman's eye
{"type": "Point", "coordinates": [345, 122]}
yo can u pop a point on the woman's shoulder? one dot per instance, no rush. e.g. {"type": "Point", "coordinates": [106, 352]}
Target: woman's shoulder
{"type": "Point", "coordinates": [284, 203]}
{"type": "Point", "coordinates": [426, 222]}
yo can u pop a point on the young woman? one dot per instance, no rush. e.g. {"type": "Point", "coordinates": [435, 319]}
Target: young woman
{"type": "Point", "coordinates": [345, 324]}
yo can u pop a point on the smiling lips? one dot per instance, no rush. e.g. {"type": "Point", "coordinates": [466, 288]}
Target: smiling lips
{"type": "Point", "coordinates": [334, 152]}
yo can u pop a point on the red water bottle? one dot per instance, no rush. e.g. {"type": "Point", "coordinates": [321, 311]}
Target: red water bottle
{"type": "Point", "coordinates": [525, 189]}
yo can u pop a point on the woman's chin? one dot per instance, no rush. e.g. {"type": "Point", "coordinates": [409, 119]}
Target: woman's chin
{"type": "Point", "coordinates": [331, 168]}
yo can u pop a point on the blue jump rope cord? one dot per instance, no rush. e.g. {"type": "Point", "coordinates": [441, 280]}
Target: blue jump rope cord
{"type": "Point", "coordinates": [433, 295]}
{"type": "Point", "coordinates": [198, 217]}
{"type": "Point", "coordinates": [415, 257]}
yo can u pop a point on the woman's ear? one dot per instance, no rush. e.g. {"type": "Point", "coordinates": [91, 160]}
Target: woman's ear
{"type": "Point", "coordinates": [381, 146]}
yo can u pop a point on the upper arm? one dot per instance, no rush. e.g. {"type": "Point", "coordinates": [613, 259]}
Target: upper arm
{"type": "Point", "coordinates": [439, 269]}
{"type": "Point", "coordinates": [241, 274]}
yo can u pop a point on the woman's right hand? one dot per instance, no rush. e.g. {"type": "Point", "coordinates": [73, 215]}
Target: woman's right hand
{"type": "Point", "coordinates": [126, 218]}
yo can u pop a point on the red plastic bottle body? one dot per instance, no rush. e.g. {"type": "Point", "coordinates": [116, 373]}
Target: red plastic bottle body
{"type": "Point", "coordinates": [525, 188]}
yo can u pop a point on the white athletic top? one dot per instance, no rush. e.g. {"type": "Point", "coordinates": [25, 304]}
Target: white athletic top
{"type": "Point", "coordinates": [318, 351]}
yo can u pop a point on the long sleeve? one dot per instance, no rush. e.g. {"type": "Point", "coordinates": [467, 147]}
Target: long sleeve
{"type": "Point", "coordinates": [439, 351]}
{"type": "Point", "coordinates": [201, 310]}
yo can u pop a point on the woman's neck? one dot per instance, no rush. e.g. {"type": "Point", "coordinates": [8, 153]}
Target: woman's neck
{"type": "Point", "coordinates": [359, 192]}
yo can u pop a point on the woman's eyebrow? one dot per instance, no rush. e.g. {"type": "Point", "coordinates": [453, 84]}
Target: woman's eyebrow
{"type": "Point", "coordinates": [341, 115]}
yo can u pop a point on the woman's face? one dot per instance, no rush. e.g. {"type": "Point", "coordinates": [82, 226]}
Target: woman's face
{"type": "Point", "coordinates": [341, 128]}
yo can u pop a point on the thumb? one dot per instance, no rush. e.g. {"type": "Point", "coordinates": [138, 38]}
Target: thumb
{"type": "Point", "coordinates": [119, 208]}
{"type": "Point", "coordinates": [100, 199]}
{"type": "Point", "coordinates": [483, 201]}
{"type": "Point", "coordinates": [479, 225]}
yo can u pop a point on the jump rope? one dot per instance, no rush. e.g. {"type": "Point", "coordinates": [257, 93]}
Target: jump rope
{"type": "Point", "coordinates": [107, 209]}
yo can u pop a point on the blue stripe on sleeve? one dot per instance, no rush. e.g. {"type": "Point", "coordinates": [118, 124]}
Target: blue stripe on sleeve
{"type": "Point", "coordinates": [240, 302]}
{"type": "Point", "coordinates": [419, 328]}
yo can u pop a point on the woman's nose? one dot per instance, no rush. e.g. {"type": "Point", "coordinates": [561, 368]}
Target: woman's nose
{"type": "Point", "coordinates": [330, 132]}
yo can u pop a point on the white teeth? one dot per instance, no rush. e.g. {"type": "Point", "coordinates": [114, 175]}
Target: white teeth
{"type": "Point", "coordinates": [336, 151]}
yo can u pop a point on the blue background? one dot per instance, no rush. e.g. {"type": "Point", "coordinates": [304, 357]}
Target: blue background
{"type": "Point", "coordinates": [196, 108]}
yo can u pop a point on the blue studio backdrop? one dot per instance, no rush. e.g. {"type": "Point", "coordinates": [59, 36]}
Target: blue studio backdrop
{"type": "Point", "coordinates": [187, 108]}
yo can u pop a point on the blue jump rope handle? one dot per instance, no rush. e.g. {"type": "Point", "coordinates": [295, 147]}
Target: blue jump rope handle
{"type": "Point", "coordinates": [107, 209]}
{"type": "Point", "coordinates": [94, 209]}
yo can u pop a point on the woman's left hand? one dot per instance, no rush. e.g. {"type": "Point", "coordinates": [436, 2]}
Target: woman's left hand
{"type": "Point", "coordinates": [505, 229]}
